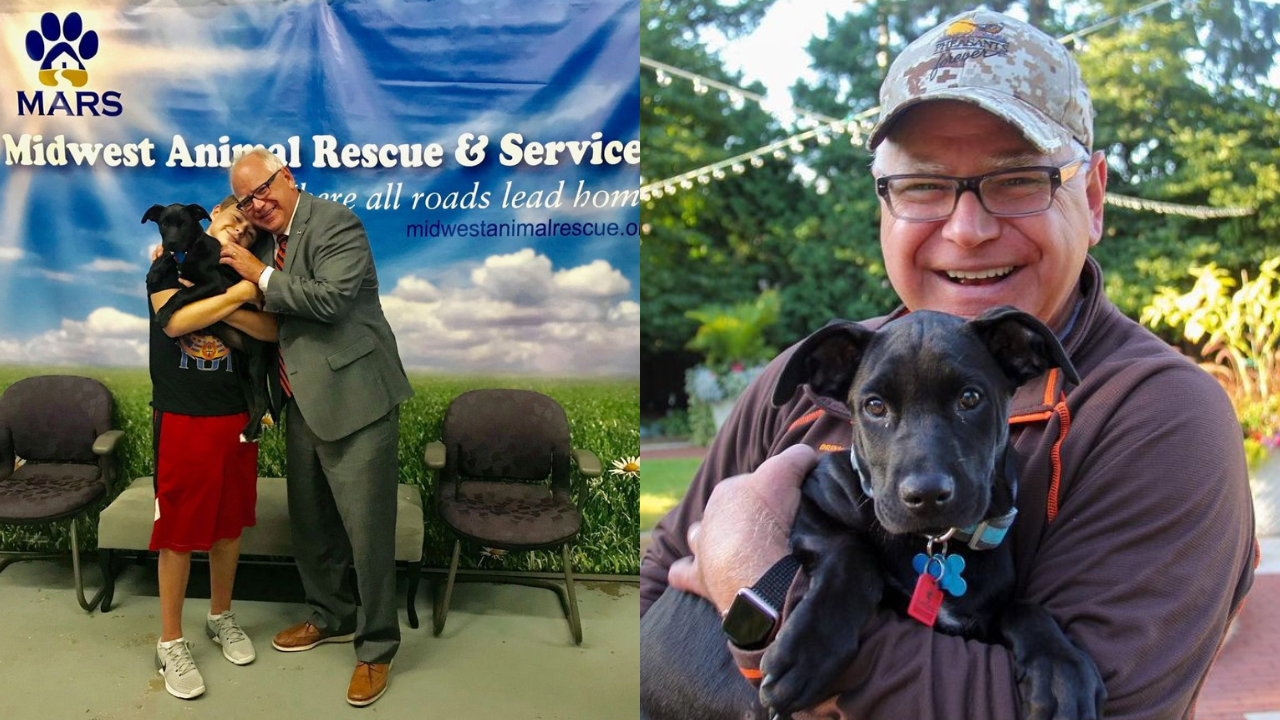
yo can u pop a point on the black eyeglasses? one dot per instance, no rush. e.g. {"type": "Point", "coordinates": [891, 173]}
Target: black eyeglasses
{"type": "Point", "coordinates": [259, 193]}
{"type": "Point", "coordinates": [1005, 193]}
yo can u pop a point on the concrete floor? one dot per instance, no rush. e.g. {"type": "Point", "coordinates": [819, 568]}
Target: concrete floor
{"type": "Point", "coordinates": [506, 652]}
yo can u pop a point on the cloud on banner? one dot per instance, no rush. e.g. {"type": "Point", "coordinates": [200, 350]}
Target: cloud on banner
{"type": "Point", "coordinates": [178, 89]}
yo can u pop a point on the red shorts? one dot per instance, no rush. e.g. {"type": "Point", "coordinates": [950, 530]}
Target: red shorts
{"type": "Point", "coordinates": [206, 480]}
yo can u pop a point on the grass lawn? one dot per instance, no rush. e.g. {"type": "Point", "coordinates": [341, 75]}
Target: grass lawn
{"type": "Point", "coordinates": [662, 484]}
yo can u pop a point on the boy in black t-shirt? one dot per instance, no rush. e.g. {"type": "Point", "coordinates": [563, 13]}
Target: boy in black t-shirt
{"type": "Point", "coordinates": [206, 479]}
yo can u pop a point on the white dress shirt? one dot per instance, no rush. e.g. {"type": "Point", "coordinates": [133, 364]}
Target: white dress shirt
{"type": "Point", "coordinates": [266, 273]}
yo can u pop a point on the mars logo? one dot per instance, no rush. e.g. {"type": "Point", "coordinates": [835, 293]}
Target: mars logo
{"type": "Point", "coordinates": [61, 57]}
{"type": "Point", "coordinates": [61, 47]}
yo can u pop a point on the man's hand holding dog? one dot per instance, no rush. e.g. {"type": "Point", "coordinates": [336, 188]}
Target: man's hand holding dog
{"type": "Point", "coordinates": [745, 528]}
{"type": "Point", "coordinates": [242, 261]}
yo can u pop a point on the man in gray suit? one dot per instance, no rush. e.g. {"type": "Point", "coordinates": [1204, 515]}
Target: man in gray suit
{"type": "Point", "coordinates": [340, 383]}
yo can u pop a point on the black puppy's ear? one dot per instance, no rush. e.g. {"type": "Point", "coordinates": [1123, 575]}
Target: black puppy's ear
{"type": "Point", "coordinates": [1022, 346]}
{"type": "Point", "coordinates": [152, 213]}
{"type": "Point", "coordinates": [826, 360]}
{"type": "Point", "coordinates": [198, 211]}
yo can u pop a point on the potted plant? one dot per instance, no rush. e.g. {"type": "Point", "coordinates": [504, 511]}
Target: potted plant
{"type": "Point", "coordinates": [1237, 327]}
{"type": "Point", "coordinates": [732, 339]}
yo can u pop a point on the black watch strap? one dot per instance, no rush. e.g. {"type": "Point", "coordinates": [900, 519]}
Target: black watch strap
{"type": "Point", "coordinates": [773, 585]}
{"type": "Point", "coordinates": [753, 618]}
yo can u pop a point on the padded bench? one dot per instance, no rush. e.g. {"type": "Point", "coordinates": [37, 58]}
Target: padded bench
{"type": "Point", "coordinates": [126, 525]}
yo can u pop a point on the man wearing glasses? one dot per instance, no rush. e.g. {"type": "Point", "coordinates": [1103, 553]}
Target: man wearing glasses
{"type": "Point", "coordinates": [1135, 527]}
{"type": "Point", "coordinates": [340, 382]}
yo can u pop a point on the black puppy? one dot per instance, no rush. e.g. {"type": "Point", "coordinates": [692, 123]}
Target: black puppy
{"type": "Point", "coordinates": [929, 396]}
{"type": "Point", "coordinates": [196, 255]}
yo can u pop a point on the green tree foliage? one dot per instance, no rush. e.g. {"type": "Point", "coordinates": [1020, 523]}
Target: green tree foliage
{"type": "Point", "coordinates": [714, 243]}
{"type": "Point", "coordinates": [735, 333]}
{"type": "Point", "coordinates": [1184, 112]}
{"type": "Point", "coordinates": [1185, 115]}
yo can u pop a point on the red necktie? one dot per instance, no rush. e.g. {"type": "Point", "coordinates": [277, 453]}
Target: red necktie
{"type": "Point", "coordinates": [284, 375]}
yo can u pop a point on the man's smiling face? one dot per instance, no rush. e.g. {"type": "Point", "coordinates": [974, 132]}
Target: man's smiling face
{"type": "Point", "coordinates": [972, 260]}
{"type": "Point", "coordinates": [273, 211]}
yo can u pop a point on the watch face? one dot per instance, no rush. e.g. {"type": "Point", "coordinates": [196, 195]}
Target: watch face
{"type": "Point", "coordinates": [749, 621]}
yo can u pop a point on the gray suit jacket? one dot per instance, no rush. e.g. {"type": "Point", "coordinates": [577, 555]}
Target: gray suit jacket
{"type": "Point", "coordinates": [343, 363]}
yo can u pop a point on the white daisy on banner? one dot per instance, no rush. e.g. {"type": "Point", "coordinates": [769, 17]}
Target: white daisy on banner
{"type": "Point", "coordinates": [488, 553]}
{"type": "Point", "coordinates": [627, 467]}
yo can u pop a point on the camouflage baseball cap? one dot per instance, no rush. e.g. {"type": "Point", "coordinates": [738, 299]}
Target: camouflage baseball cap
{"type": "Point", "coordinates": [999, 64]}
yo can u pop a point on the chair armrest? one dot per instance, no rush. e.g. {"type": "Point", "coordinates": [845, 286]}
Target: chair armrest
{"type": "Point", "coordinates": [106, 442]}
{"type": "Point", "coordinates": [588, 463]}
{"type": "Point", "coordinates": [435, 455]}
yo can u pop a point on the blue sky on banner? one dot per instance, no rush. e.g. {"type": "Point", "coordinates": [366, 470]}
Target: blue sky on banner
{"type": "Point", "coordinates": [339, 87]}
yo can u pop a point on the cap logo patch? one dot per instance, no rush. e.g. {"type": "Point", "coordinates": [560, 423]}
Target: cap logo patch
{"type": "Point", "coordinates": [965, 39]}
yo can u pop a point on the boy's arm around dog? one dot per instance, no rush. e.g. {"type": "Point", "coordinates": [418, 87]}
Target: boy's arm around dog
{"type": "Point", "coordinates": [226, 307]}
{"type": "Point", "coordinates": [1148, 553]}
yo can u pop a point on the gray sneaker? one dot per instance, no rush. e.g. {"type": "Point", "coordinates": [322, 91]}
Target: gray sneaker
{"type": "Point", "coordinates": [225, 631]}
{"type": "Point", "coordinates": [174, 663]}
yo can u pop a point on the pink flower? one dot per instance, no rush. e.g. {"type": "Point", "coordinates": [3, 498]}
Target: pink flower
{"type": "Point", "coordinates": [737, 367]}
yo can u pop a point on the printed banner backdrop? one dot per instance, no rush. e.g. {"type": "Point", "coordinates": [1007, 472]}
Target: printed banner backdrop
{"type": "Point", "coordinates": [489, 147]}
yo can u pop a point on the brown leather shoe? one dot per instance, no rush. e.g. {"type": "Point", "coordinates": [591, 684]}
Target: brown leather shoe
{"type": "Point", "coordinates": [305, 636]}
{"type": "Point", "coordinates": [368, 682]}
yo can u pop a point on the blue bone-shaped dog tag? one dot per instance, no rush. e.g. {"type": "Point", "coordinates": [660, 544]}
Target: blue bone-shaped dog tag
{"type": "Point", "coordinates": [946, 569]}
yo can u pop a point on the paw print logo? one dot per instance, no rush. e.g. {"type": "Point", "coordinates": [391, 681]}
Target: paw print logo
{"type": "Point", "coordinates": [61, 47]}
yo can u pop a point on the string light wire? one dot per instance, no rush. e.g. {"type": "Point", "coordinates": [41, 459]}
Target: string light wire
{"type": "Point", "coordinates": [856, 127]}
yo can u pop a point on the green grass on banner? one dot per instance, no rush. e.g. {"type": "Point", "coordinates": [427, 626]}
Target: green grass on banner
{"type": "Point", "coordinates": [604, 418]}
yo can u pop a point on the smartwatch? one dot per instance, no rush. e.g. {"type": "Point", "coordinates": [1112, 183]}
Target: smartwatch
{"type": "Point", "coordinates": [753, 617]}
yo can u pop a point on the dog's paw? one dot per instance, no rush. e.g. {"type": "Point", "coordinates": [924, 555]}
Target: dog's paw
{"type": "Point", "coordinates": [1057, 679]}
{"type": "Point", "coordinates": [797, 677]}
{"type": "Point", "coordinates": [164, 316]}
{"type": "Point", "coordinates": [1060, 683]}
{"type": "Point", "coordinates": [1066, 687]}
{"type": "Point", "coordinates": [244, 439]}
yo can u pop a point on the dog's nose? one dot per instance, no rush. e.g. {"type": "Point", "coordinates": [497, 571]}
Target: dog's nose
{"type": "Point", "coordinates": [922, 492]}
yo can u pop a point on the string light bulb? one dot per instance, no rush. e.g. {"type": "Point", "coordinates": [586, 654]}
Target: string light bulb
{"type": "Point", "coordinates": [820, 127]}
